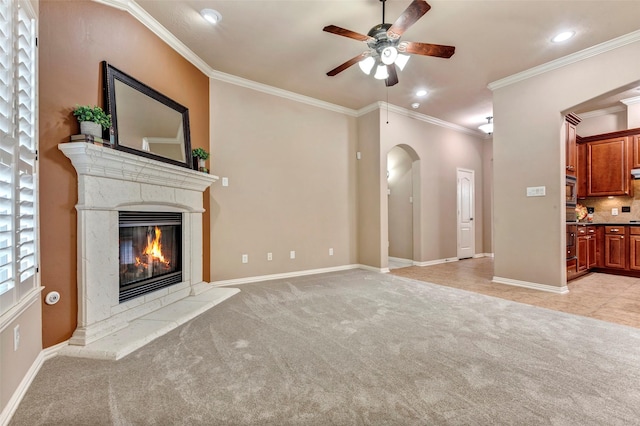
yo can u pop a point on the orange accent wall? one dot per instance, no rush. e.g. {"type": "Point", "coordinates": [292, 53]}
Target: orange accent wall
{"type": "Point", "coordinates": [74, 37]}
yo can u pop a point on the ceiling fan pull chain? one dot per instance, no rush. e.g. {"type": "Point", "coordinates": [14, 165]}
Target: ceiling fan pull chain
{"type": "Point", "coordinates": [387, 103]}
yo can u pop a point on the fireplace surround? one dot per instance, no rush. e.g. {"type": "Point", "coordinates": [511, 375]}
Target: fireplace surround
{"type": "Point", "coordinates": [111, 182]}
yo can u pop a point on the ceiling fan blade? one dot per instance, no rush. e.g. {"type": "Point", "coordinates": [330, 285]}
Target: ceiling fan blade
{"type": "Point", "coordinates": [392, 80]}
{"type": "Point", "coordinates": [409, 17]}
{"type": "Point", "coordinates": [426, 49]}
{"type": "Point", "coordinates": [347, 64]}
{"type": "Point", "coordinates": [345, 33]}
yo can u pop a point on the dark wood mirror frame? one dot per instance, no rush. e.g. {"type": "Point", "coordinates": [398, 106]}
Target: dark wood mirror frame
{"type": "Point", "coordinates": [112, 77]}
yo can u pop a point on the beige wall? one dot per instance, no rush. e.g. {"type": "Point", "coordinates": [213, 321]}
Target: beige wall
{"type": "Point", "coordinates": [371, 189]}
{"type": "Point", "coordinates": [14, 365]}
{"type": "Point", "coordinates": [602, 124]}
{"type": "Point", "coordinates": [400, 185]}
{"type": "Point", "coordinates": [529, 151]}
{"type": "Point", "coordinates": [292, 184]}
{"type": "Point", "coordinates": [441, 151]}
{"type": "Point", "coordinates": [487, 195]}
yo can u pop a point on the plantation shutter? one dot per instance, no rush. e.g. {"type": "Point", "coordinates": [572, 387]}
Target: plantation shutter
{"type": "Point", "coordinates": [18, 255]}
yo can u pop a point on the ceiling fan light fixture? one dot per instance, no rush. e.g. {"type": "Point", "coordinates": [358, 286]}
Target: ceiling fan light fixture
{"type": "Point", "coordinates": [211, 16]}
{"type": "Point", "coordinates": [389, 55]}
{"type": "Point", "coordinates": [366, 65]}
{"type": "Point", "coordinates": [381, 72]}
{"type": "Point", "coordinates": [402, 60]}
{"type": "Point", "coordinates": [488, 126]}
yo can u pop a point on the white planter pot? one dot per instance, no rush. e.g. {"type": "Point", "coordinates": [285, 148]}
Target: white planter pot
{"type": "Point", "coordinates": [91, 128]}
{"type": "Point", "coordinates": [201, 164]}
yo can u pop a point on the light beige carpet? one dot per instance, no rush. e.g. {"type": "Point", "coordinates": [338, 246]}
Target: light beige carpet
{"type": "Point", "coordinates": [356, 348]}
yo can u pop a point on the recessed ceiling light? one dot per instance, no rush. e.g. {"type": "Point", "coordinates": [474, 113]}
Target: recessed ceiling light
{"type": "Point", "coordinates": [212, 16]}
{"type": "Point", "coordinates": [421, 92]}
{"type": "Point", "coordinates": [415, 105]}
{"type": "Point", "coordinates": [563, 36]}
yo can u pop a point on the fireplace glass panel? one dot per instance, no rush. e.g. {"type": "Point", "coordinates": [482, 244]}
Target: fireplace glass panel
{"type": "Point", "coordinates": [150, 252]}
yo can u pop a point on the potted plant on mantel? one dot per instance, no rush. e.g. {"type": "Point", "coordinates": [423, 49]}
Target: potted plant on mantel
{"type": "Point", "coordinates": [199, 158]}
{"type": "Point", "coordinates": [92, 120]}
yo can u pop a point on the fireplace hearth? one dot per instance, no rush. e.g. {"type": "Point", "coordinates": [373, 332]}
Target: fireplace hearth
{"type": "Point", "coordinates": [150, 252]}
{"type": "Point", "coordinates": [125, 203]}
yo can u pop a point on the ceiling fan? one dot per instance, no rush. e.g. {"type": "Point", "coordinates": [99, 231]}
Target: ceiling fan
{"type": "Point", "coordinates": [385, 48]}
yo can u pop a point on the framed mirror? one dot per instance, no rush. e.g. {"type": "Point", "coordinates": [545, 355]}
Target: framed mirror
{"type": "Point", "coordinates": [146, 122]}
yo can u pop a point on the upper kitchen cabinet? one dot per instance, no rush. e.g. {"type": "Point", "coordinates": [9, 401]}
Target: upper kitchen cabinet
{"type": "Point", "coordinates": [635, 145]}
{"type": "Point", "coordinates": [609, 167]}
{"type": "Point", "coordinates": [571, 121]}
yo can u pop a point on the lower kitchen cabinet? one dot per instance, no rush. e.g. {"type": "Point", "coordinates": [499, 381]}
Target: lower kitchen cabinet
{"type": "Point", "coordinates": [586, 248]}
{"type": "Point", "coordinates": [634, 248]}
{"type": "Point", "coordinates": [592, 247]}
{"type": "Point", "coordinates": [615, 249]}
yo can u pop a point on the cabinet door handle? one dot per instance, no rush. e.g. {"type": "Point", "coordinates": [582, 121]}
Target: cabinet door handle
{"type": "Point", "coordinates": [615, 230]}
{"type": "Point", "coordinates": [622, 237]}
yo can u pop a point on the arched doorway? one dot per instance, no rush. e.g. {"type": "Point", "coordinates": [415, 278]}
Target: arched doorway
{"type": "Point", "coordinates": [403, 204]}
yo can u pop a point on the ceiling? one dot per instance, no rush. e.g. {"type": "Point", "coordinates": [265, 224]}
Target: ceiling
{"type": "Point", "coordinates": [280, 43]}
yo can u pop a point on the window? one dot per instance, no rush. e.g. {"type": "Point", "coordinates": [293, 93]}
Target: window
{"type": "Point", "coordinates": [18, 149]}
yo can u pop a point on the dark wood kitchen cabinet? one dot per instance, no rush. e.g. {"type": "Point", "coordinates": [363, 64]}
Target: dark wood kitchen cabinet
{"type": "Point", "coordinates": [634, 248]}
{"type": "Point", "coordinates": [635, 146]}
{"type": "Point", "coordinates": [615, 247]}
{"type": "Point", "coordinates": [571, 121]}
{"type": "Point", "coordinates": [608, 167]}
{"type": "Point", "coordinates": [586, 248]}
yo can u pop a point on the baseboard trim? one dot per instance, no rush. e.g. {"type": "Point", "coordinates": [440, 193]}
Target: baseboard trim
{"type": "Point", "coordinates": [401, 260]}
{"type": "Point", "coordinates": [16, 398]}
{"type": "Point", "coordinates": [258, 278]}
{"type": "Point", "coordinates": [483, 255]}
{"type": "Point", "coordinates": [435, 262]}
{"type": "Point", "coordinates": [373, 269]}
{"type": "Point", "coordinates": [535, 286]}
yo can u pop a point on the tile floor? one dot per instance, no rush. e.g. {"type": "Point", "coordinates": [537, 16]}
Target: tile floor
{"type": "Point", "coordinates": [606, 297]}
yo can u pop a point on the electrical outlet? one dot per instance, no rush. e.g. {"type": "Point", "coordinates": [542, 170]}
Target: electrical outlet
{"type": "Point", "coordinates": [245, 258]}
{"type": "Point", "coordinates": [16, 337]}
{"type": "Point", "coordinates": [330, 252]}
{"type": "Point", "coordinates": [292, 254]}
{"type": "Point", "coordinates": [269, 256]}
{"type": "Point", "coordinates": [614, 211]}
{"type": "Point", "coordinates": [225, 181]}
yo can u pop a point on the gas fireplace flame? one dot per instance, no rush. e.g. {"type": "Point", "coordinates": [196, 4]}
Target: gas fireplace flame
{"type": "Point", "coordinates": [153, 251]}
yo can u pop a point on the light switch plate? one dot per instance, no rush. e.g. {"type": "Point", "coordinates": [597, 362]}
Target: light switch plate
{"type": "Point", "coordinates": [225, 181]}
{"type": "Point", "coordinates": [536, 191]}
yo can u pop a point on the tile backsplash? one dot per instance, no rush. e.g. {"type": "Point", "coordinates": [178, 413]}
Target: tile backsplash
{"type": "Point", "coordinates": [604, 205]}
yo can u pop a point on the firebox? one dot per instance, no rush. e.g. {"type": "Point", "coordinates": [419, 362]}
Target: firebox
{"type": "Point", "coordinates": [150, 252]}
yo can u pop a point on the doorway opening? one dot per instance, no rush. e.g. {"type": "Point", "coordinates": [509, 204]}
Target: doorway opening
{"type": "Point", "coordinates": [403, 183]}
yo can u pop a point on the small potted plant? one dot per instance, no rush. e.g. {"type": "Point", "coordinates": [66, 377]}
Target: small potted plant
{"type": "Point", "coordinates": [92, 119]}
{"type": "Point", "coordinates": [199, 158]}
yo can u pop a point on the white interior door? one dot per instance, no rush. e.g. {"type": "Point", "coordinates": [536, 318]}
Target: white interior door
{"type": "Point", "coordinates": [466, 228]}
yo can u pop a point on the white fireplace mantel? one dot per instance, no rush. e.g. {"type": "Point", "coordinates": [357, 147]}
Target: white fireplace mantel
{"type": "Point", "coordinates": [110, 181]}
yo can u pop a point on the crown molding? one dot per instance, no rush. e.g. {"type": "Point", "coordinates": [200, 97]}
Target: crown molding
{"type": "Point", "coordinates": [264, 88]}
{"type": "Point", "coordinates": [605, 111]}
{"type": "Point", "coordinates": [158, 29]}
{"type": "Point", "coordinates": [631, 101]}
{"type": "Point", "coordinates": [147, 20]}
{"type": "Point", "coordinates": [421, 117]}
{"type": "Point", "coordinates": [589, 52]}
